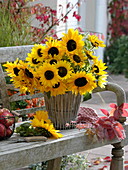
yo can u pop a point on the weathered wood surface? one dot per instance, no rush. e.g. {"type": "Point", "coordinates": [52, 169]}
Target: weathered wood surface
{"type": "Point", "coordinates": [17, 155]}
{"type": "Point", "coordinates": [12, 53]}
{"type": "Point", "coordinates": [54, 164]}
{"type": "Point", "coordinates": [117, 158]}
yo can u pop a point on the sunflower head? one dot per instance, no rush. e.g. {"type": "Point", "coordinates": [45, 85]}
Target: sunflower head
{"type": "Point", "coordinates": [90, 55]}
{"type": "Point", "coordinates": [52, 49]}
{"type": "Point", "coordinates": [81, 82]}
{"type": "Point", "coordinates": [72, 41]}
{"type": "Point", "coordinates": [102, 80]}
{"type": "Point", "coordinates": [78, 58]}
{"type": "Point", "coordinates": [64, 69]}
{"type": "Point", "coordinates": [54, 60]}
{"type": "Point", "coordinates": [43, 126]}
{"type": "Point", "coordinates": [48, 75]}
{"type": "Point", "coordinates": [33, 61]}
{"type": "Point", "coordinates": [58, 88]}
{"type": "Point", "coordinates": [37, 51]}
{"type": "Point", "coordinates": [98, 67]}
{"type": "Point", "coordinates": [42, 115]}
{"type": "Point", "coordinates": [95, 41]}
{"type": "Point", "coordinates": [13, 68]}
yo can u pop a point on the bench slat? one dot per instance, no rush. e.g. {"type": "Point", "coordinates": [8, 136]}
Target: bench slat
{"type": "Point", "coordinates": [16, 97]}
{"type": "Point", "coordinates": [29, 153]}
{"type": "Point", "coordinates": [30, 110]}
{"type": "Point", "coordinates": [12, 53]}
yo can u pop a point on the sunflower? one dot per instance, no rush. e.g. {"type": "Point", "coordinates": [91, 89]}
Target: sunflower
{"type": "Point", "coordinates": [13, 68]}
{"type": "Point", "coordinates": [37, 52]}
{"type": "Point", "coordinates": [50, 128]}
{"type": "Point", "coordinates": [59, 88]}
{"type": "Point", "coordinates": [32, 60]}
{"type": "Point", "coordinates": [81, 82]}
{"type": "Point", "coordinates": [47, 129]}
{"type": "Point", "coordinates": [102, 81]}
{"type": "Point", "coordinates": [54, 60]}
{"type": "Point", "coordinates": [26, 80]}
{"type": "Point", "coordinates": [78, 58]}
{"type": "Point", "coordinates": [24, 86]}
{"type": "Point", "coordinates": [72, 41]}
{"type": "Point", "coordinates": [48, 75]}
{"type": "Point", "coordinates": [52, 49]}
{"type": "Point", "coordinates": [42, 88]}
{"type": "Point", "coordinates": [41, 114]}
{"type": "Point", "coordinates": [64, 69]}
{"type": "Point", "coordinates": [90, 55]}
{"type": "Point", "coordinates": [95, 41]}
{"type": "Point", "coordinates": [98, 67]}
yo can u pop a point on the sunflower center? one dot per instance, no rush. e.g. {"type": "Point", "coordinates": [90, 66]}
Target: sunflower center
{"type": "Point", "coordinates": [62, 71]}
{"type": "Point", "coordinates": [28, 73]}
{"type": "Point", "coordinates": [96, 69]}
{"type": "Point", "coordinates": [89, 56]}
{"type": "Point", "coordinates": [43, 131]}
{"type": "Point", "coordinates": [56, 85]}
{"type": "Point", "coordinates": [76, 58]}
{"type": "Point", "coordinates": [34, 61]}
{"type": "Point", "coordinates": [71, 45]}
{"type": "Point", "coordinates": [49, 74]}
{"type": "Point", "coordinates": [53, 61]}
{"type": "Point", "coordinates": [53, 51]}
{"type": "Point", "coordinates": [16, 71]}
{"type": "Point", "coordinates": [40, 54]}
{"type": "Point", "coordinates": [80, 82]}
{"type": "Point", "coordinates": [95, 44]}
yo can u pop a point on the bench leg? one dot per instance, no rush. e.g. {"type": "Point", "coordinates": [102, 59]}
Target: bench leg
{"type": "Point", "coordinates": [117, 162]}
{"type": "Point", "coordinates": [54, 164]}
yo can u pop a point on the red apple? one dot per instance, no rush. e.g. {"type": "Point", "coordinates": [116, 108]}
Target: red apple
{"type": "Point", "coordinates": [2, 130]}
{"type": "Point", "coordinates": [6, 118]}
{"type": "Point", "coordinates": [8, 132]}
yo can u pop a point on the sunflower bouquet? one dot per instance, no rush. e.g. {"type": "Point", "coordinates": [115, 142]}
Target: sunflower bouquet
{"type": "Point", "coordinates": [59, 66]}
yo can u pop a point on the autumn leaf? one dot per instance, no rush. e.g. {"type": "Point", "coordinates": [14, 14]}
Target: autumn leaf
{"type": "Point", "coordinates": [96, 162]}
{"type": "Point", "coordinates": [126, 167]}
{"type": "Point", "coordinates": [107, 159]}
{"type": "Point", "coordinates": [103, 168]}
{"type": "Point", "coordinates": [105, 112]}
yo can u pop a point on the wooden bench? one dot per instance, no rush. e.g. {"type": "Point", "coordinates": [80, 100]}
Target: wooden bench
{"type": "Point", "coordinates": [17, 155]}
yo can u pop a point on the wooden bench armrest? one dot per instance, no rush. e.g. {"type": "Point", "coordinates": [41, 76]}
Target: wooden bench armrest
{"type": "Point", "coordinates": [118, 90]}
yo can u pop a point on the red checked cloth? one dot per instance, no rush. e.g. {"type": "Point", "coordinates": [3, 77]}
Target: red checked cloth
{"type": "Point", "coordinates": [86, 115]}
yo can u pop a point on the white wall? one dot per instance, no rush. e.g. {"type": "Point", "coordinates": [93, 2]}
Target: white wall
{"type": "Point", "coordinates": [71, 22]}
{"type": "Point", "coordinates": [94, 18]}
{"type": "Point", "coordinates": [51, 3]}
{"type": "Point", "coordinates": [101, 21]}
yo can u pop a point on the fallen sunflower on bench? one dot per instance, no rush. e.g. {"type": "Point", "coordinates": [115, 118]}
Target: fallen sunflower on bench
{"type": "Point", "coordinates": [41, 125]}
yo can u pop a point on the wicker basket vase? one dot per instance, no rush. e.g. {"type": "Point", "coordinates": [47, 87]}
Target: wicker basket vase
{"type": "Point", "coordinates": [62, 108]}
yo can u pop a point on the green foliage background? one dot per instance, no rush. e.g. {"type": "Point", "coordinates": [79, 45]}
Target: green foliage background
{"type": "Point", "coordinates": [116, 56]}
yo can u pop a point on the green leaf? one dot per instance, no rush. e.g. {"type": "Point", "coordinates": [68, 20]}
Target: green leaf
{"type": "Point", "coordinates": [49, 94]}
{"type": "Point", "coordinates": [87, 96]}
